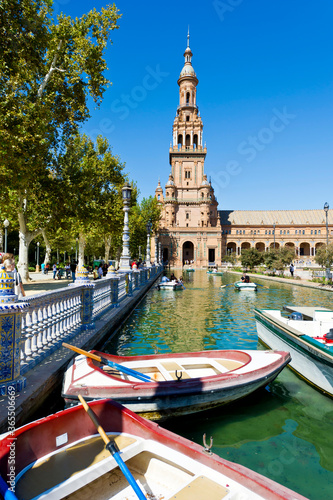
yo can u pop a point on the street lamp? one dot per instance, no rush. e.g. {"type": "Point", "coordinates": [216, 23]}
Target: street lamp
{"type": "Point", "coordinates": [125, 256]}
{"type": "Point", "coordinates": [6, 224]}
{"type": "Point", "coordinates": [148, 227]}
{"type": "Point", "coordinates": [77, 239]}
{"type": "Point", "coordinates": [274, 234]}
{"type": "Point", "coordinates": [328, 270]}
{"type": "Point", "coordinates": [37, 267]}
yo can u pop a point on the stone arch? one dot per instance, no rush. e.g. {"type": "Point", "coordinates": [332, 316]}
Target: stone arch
{"type": "Point", "coordinates": [188, 251]}
{"type": "Point", "coordinates": [231, 247]}
{"type": "Point", "coordinates": [195, 140]}
{"type": "Point", "coordinates": [319, 245]}
{"type": "Point", "coordinates": [245, 246]}
{"type": "Point", "coordinates": [304, 249]}
{"type": "Point", "coordinates": [275, 245]}
{"type": "Point", "coordinates": [187, 140]}
{"type": "Point", "coordinates": [180, 140]}
{"type": "Point", "coordinates": [260, 246]}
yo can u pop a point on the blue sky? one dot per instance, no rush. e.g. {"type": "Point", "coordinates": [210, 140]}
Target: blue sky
{"type": "Point", "coordinates": [264, 94]}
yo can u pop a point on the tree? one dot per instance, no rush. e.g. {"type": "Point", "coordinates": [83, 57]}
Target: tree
{"type": "Point", "coordinates": [139, 216]}
{"type": "Point", "coordinates": [48, 70]}
{"type": "Point", "coordinates": [91, 179]}
{"type": "Point", "coordinates": [278, 259]}
{"type": "Point", "coordinates": [230, 258]}
{"type": "Point", "coordinates": [251, 258]}
{"type": "Point", "coordinates": [324, 255]}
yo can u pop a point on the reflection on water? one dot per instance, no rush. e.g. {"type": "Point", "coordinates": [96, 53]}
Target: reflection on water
{"type": "Point", "coordinates": [284, 432]}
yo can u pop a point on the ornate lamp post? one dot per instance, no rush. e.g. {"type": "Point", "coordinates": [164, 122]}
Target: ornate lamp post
{"type": "Point", "coordinates": [328, 270]}
{"type": "Point", "coordinates": [37, 267]}
{"type": "Point", "coordinates": [125, 256]}
{"type": "Point", "coordinates": [148, 226]}
{"type": "Point", "coordinates": [6, 224]}
{"type": "Point", "coordinates": [274, 234]}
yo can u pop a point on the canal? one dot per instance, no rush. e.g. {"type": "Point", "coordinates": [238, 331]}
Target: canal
{"type": "Point", "coordinates": [283, 431]}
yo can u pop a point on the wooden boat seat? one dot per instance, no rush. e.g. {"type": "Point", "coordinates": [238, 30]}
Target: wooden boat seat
{"type": "Point", "coordinates": [66, 463]}
{"type": "Point", "coordinates": [229, 364]}
{"type": "Point", "coordinates": [201, 487]}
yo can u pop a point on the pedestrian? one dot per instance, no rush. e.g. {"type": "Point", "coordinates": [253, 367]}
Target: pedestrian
{"type": "Point", "coordinates": [47, 267]}
{"type": "Point", "coordinates": [95, 273]}
{"type": "Point", "coordinates": [292, 269]}
{"type": "Point", "coordinates": [12, 273]}
{"type": "Point", "coordinates": [73, 269]}
{"type": "Point", "coordinates": [68, 270]}
{"type": "Point", "coordinates": [100, 270]}
{"type": "Point", "coordinates": [54, 269]}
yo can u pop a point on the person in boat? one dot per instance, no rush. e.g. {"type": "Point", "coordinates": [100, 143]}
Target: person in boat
{"type": "Point", "coordinates": [245, 278]}
{"type": "Point", "coordinates": [164, 279]}
{"type": "Point", "coordinates": [173, 277]}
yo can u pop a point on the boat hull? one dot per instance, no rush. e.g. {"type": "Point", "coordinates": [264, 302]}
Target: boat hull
{"type": "Point", "coordinates": [169, 285]}
{"type": "Point", "coordinates": [245, 286]}
{"type": "Point", "coordinates": [161, 400]}
{"type": "Point", "coordinates": [309, 359]}
{"type": "Point", "coordinates": [62, 456]}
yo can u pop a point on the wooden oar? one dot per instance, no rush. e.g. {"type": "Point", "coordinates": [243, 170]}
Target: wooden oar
{"type": "Point", "coordinates": [112, 447]}
{"type": "Point", "coordinates": [230, 284]}
{"type": "Point", "coordinates": [105, 361]}
{"type": "Point", "coordinates": [5, 491]}
{"type": "Point", "coordinates": [263, 286]}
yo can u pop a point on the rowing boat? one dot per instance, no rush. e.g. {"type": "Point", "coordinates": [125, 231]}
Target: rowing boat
{"type": "Point", "coordinates": [308, 334]}
{"type": "Point", "coordinates": [240, 285]}
{"type": "Point", "coordinates": [178, 383]}
{"type": "Point", "coordinates": [63, 457]}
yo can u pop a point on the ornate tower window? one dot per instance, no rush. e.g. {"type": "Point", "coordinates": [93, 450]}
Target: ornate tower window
{"type": "Point", "coordinates": [187, 97]}
{"type": "Point", "coordinates": [187, 174]}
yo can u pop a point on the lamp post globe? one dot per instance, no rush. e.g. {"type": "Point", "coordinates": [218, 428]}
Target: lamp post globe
{"type": "Point", "coordinates": [125, 256]}
{"type": "Point", "coordinates": [328, 270]}
{"type": "Point", "coordinates": [6, 224]}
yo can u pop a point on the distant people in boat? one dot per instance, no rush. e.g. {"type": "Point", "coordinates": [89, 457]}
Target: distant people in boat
{"type": "Point", "coordinates": [245, 278]}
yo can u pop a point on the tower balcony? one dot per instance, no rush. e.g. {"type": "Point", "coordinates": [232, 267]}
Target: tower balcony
{"type": "Point", "coordinates": [187, 106]}
{"type": "Point", "coordinates": [188, 149]}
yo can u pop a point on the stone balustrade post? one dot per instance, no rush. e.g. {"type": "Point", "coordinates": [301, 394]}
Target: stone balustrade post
{"type": "Point", "coordinates": [87, 300]}
{"type": "Point", "coordinates": [114, 291]}
{"type": "Point", "coordinates": [10, 335]}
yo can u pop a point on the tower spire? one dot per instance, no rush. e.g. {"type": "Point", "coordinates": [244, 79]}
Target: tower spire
{"type": "Point", "coordinates": [188, 36]}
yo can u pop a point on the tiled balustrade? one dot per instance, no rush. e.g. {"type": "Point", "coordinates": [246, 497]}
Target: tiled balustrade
{"type": "Point", "coordinates": [55, 317]}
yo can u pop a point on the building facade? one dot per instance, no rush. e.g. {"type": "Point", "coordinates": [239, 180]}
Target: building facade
{"type": "Point", "coordinates": [192, 229]}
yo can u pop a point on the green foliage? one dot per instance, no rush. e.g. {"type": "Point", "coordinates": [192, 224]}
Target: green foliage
{"type": "Point", "coordinates": [279, 258]}
{"type": "Point", "coordinates": [324, 255]}
{"type": "Point", "coordinates": [139, 216]}
{"type": "Point", "coordinates": [251, 258]}
{"type": "Point", "coordinates": [230, 258]}
{"type": "Point", "coordinates": [48, 71]}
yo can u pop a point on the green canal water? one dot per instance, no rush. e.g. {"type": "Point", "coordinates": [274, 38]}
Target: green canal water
{"type": "Point", "coordinates": [284, 431]}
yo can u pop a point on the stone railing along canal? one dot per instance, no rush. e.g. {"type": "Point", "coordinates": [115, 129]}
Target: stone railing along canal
{"type": "Point", "coordinates": [49, 319]}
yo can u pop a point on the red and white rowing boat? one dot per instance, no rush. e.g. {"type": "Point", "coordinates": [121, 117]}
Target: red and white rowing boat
{"type": "Point", "coordinates": [176, 384]}
{"type": "Point", "coordinates": [63, 457]}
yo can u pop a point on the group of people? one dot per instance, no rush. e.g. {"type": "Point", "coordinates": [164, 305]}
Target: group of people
{"type": "Point", "coordinates": [8, 261]}
{"type": "Point", "coordinates": [245, 278]}
{"type": "Point", "coordinates": [172, 278]}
